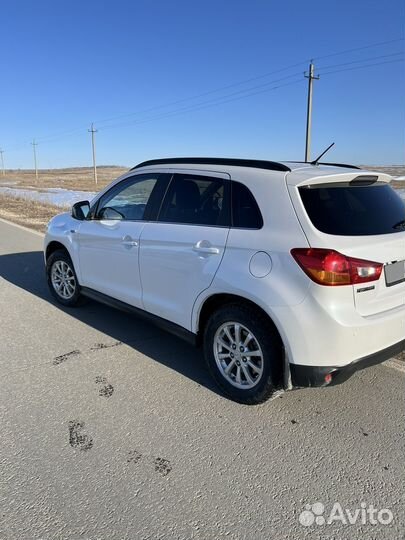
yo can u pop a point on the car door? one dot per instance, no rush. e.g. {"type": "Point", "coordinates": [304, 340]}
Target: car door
{"type": "Point", "coordinates": [181, 252]}
{"type": "Point", "coordinates": [108, 243]}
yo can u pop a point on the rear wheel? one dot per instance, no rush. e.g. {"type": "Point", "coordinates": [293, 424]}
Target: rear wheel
{"type": "Point", "coordinates": [243, 353]}
{"type": "Point", "coordinates": [62, 279]}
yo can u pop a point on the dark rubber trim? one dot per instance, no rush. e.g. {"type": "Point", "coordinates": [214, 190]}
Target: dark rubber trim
{"type": "Point", "coordinates": [230, 162]}
{"type": "Point", "coordinates": [305, 376]}
{"type": "Point", "coordinates": [169, 326]}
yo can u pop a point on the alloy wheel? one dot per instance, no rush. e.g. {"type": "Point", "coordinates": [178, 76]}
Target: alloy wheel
{"type": "Point", "coordinates": [63, 279]}
{"type": "Point", "coordinates": [238, 355]}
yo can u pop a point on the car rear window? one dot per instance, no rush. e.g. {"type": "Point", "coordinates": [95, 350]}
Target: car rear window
{"type": "Point", "coordinates": [351, 210]}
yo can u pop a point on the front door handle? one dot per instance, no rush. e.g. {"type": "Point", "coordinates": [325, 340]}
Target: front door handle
{"type": "Point", "coordinates": [128, 241]}
{"type": "Point", "coordinates": [203, 246]}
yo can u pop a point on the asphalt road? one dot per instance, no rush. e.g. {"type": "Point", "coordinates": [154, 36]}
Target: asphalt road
{"type": "Point", "coordinates": [112, 429]}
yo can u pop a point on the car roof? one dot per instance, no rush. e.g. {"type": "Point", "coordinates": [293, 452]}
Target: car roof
{"type": "Point", "coordinates": [298, 172]}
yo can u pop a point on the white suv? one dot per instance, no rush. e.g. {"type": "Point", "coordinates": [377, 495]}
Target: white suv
{"type": "Point", "coordinates": [288, 274]}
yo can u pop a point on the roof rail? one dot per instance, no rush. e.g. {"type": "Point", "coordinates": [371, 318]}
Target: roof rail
{"type": "Point", "coordinates": [255, 163]}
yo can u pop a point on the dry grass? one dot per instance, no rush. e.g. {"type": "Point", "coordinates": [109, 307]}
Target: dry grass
{"type": "Point", "coordinates": [31, 214]}
{"type": "Point", "coordinates": [77, 178]}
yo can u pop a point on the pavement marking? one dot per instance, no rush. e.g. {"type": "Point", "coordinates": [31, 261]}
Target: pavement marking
{"type": "Point", "coordinates": [22, 227]}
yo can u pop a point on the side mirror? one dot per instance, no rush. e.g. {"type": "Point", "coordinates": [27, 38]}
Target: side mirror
{"type": "Point", "coordinates": [80, 210]}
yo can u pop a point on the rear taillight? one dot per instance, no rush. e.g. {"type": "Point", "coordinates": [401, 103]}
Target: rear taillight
{"type": "Point", "coordinates": [329, 267]}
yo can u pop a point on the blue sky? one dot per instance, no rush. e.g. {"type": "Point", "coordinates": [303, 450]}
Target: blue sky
{"type": "Point", "coordinates": [66, 64]}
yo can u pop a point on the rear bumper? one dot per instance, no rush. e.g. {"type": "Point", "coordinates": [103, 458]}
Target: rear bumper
{"type": "Point", "coordinates": [306, 376]}
{"type": "Point", "coordinates": [326, 330]}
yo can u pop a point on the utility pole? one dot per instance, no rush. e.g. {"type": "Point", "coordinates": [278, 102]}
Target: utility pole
{"type": "Point", "coordinates": [2, 162]}
{"type": "Point", "coordinates": [34, 144]}
{"type": "Point", "coordinates": [93, 145]}
{"type": "Point", "coordinates": [310, 78]}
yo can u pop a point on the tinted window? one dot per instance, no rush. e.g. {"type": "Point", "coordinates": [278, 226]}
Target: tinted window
{"type": "Point", "coordinates": [199, 200]}
{"type": "Point", "coordinates": [355, 210]}
{"type": "Point", "coordinates": [128, 200]}
{"type": "Point", "coordinates": [245, 212]}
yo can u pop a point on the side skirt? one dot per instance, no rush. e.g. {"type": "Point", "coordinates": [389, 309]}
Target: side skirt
{"type": "Point", "coordinates": [169, 326]}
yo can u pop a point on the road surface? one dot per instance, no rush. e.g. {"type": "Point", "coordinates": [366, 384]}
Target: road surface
{"type": "Point", "coordinates": [112, 429]}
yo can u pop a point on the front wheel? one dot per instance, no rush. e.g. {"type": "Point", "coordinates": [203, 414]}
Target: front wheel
{"type": "Point", "coordinates": [243, 353]}
{"type": "Point", "coordinates": [62, 279]}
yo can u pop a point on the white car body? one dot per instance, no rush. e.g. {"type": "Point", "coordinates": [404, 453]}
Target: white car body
{"type": "Point", "coordinates": [171, 270]}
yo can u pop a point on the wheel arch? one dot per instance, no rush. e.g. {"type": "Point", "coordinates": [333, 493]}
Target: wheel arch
{"type": "Point", "coordinates": [213, 302]}
{"type": "Point", "coordinates": [53, 246]}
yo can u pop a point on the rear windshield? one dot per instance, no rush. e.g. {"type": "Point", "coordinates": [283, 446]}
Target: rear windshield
{"type": "Point", "coordinates": [349, 210]}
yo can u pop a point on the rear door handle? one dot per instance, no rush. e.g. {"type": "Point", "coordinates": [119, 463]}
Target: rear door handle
{"type": "Point", "coordinates": [203, 246]}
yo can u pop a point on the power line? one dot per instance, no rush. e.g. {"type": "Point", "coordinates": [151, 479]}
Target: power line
{"type": "Point", "coordinates": [362, 67]}
{"type": "Point", "coordinates": [246, 91]}
{"type": "Point", "coordinates": [209, 92]}
{"type": "Point", "coordinates": [363, 60]}
{"type": "Point", "coordinates": [50, 138]}
{"type": "Point", "coordinates": [245, 81]}
{"type": "Point", "coordinates": [197, 107]}
{"type": "Point", "coordinates": [379, 44]}
{"type": "Point", "coordinates": [222, 100]}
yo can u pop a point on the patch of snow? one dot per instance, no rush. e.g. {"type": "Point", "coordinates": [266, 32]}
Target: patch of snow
{"type": "Point", "coordinates": [56, 196]}
{"type": "Point", "coordinates": [9, 183]}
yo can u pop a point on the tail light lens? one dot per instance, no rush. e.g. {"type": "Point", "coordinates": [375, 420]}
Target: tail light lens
{"type": "Point", "coordinates": [329, 267]}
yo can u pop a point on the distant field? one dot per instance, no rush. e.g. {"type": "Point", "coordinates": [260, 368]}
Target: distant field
{"type": "Point", "coordinates": [78, 178]}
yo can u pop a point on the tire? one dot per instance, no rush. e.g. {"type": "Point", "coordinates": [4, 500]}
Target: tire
{"type": "Point", "coordinates": [60, 264]}
{"type": "Point", "coordinates": [260, 374]}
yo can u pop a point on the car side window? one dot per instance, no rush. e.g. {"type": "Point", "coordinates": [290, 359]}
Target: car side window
{"type": "Point", "coordinates": [245, 211]}
{"type": "Point", "coordinates": [128, 200]}
{"type": "Point", "coordinates": [197, 200]}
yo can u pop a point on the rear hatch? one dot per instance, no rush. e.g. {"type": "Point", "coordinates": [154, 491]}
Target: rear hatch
{"type": "Point", "coordinates": [361, 216]}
